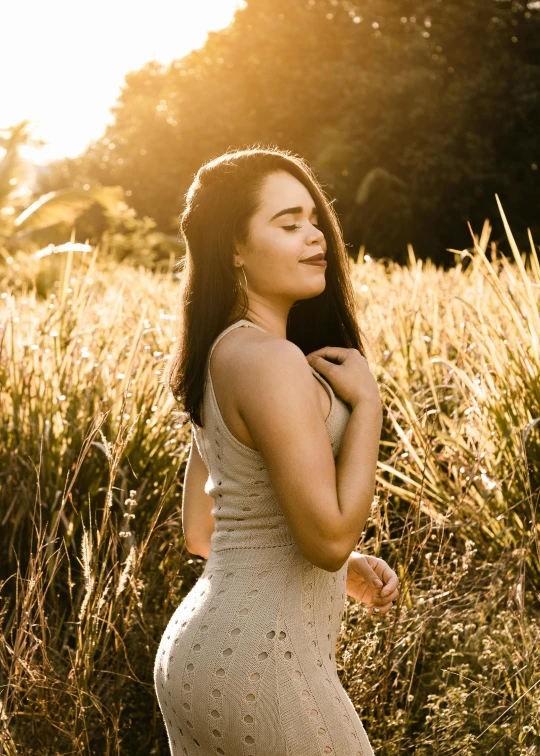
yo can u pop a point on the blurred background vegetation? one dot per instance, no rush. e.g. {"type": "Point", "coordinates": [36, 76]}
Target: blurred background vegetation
{"type": "Point", "coordinates": [414, 114]}
{"type": "Point", "coordinates": [421, 121]}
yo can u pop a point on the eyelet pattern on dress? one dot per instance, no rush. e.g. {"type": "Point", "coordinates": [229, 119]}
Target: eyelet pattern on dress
{"type": "Point", "coordinates": [249, 655]}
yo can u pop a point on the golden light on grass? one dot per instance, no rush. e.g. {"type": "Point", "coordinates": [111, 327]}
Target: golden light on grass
{"type": "Point", "coordinates": [91, 437]}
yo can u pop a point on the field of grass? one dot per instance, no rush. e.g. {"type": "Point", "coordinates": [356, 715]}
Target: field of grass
{"type": "Point", "coordinates": [92, 454]}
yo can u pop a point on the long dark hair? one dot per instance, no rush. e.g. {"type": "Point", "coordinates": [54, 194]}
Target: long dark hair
{"type": "Point", "coordinates": [219, 203]}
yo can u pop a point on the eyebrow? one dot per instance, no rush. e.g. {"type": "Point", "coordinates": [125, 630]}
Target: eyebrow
{"type": "Point", "coordinates": [293, 211]}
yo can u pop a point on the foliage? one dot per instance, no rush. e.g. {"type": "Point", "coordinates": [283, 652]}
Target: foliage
{"type": "Point", "coordinates": [93, 452]}
{"type": "Point", "coordinates": [49, 216]}
{"type": "Point", "coordinates": [438, 113]}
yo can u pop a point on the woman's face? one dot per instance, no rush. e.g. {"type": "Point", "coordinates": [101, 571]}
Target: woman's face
{"type": "Point", "coordinates": [279, 241]}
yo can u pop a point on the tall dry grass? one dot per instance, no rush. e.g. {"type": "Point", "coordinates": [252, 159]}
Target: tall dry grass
{"type": "Point", "coordinates": [92, 455]}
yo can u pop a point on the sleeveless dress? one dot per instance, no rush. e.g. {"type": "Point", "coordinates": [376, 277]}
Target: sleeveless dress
{"type": "Point", "coordinates": [246, 665]}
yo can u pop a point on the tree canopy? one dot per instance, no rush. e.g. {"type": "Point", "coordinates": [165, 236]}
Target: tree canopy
{"type": "Point", "coordinates": [413, 115]}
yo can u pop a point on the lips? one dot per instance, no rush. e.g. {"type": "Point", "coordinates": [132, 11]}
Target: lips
{"type": "Point", "coordinates": [318, 256]}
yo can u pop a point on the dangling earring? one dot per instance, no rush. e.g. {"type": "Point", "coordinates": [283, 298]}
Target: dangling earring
{"type": "Point", "coordinates": [244, 272]}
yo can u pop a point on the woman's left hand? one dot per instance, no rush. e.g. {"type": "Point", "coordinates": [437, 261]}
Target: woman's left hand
{"type": "Point", "coordinates": [372, 581]}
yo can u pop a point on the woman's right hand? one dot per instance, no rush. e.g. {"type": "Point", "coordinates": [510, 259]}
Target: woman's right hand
{"type": "Point", "coordinates": [351, 378]}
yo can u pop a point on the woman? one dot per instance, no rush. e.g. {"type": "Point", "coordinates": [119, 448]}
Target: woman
{"type": "Point", "coordinates": [281, 476]}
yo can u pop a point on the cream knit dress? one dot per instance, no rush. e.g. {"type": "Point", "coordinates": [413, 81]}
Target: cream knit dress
{"type": "Point", "coordinates": [246, 665]}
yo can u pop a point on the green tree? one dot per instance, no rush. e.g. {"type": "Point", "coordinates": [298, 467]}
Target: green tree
{"type": "Point", "coordinates": [413, 116]}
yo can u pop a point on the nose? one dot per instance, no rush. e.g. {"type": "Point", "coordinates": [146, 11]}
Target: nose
{"type": "Point", "coordinates": [318, 233]}
{"type": "Point", "coordinates": [319, 237]}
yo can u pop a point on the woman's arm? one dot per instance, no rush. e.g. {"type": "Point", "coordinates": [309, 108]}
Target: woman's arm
{"type": "Point", "coordinates": [356, 465]}
{"type": "Point", "coordinates": [203, 550]}
{"type": "Point", "coordinates": [198, 522]}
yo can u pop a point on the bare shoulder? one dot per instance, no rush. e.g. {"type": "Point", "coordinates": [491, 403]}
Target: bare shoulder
{"type": "Point", "coordinates": [270, 375]}
{"type": "Point", "coordinates": [266, 355]}
{"type": "Point", "coordinates": [250, 357]}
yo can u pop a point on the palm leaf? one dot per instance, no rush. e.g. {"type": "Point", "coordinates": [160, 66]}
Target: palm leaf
{"type": "Point", "coordinates": [65, 206]}
{"type": "Point", "coordinates": [40, 236]}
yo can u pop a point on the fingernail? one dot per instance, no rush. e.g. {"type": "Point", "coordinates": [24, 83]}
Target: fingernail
{"type": "Point", "coordinates": [378, 583]}
{"type": "Point", "coordinates": [385, 592]}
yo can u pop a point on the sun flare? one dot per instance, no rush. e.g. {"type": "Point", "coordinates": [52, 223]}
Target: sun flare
{"type": "Point", "coordinates": [64, 63]}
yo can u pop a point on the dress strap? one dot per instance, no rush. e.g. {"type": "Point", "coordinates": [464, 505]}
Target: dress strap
{"type": "Point", "coordinates": [236, 324]}
{"type": "Point", "coordinates": [214, 406]}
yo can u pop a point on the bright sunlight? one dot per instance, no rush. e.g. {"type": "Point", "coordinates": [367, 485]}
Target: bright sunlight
{"type": "Point", "coordinates": [67, 61]}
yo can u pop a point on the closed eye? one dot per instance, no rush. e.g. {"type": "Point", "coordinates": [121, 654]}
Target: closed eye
{"type": "Point", "coordinates": [291, 228]}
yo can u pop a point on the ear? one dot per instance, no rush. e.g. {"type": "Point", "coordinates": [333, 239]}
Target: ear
{"type": "Point", "coordinates": [239, 252]}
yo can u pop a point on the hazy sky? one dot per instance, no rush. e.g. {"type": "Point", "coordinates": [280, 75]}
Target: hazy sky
{"type": "Point", "coordinates": [62, 62]}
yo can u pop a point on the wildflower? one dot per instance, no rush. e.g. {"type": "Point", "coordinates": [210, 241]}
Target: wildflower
{"type": "Point", "coordinates": [128, 564]}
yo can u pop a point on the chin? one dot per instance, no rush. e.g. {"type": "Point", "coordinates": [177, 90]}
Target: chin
{"type": "Point", "coordinates": [314, 292]}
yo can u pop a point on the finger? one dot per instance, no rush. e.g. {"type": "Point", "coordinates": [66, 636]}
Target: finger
{"type": "Point", "coordinates": [322, 366]}
{"type": "Point", "coordinates": [388, 576]}
{"type": "Point", "coordinates": [370, 575]}
{"type": "Point", "coordinates": [378, 598]}
{"type": "Point", "coordinates": [383, 570]}
{"type": "Point", "coordinates": [364, 565]}
{"type": "Point", "coordinates": [392, 597]}
{"type": "Point", "coordinates": [329, 352]}
{"type": "Point", "coordinates": [379, 565]}
{"type": "Point", "coordinates": [383, 600]}
{"type": "Point", "coordinates": [391, 586]}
